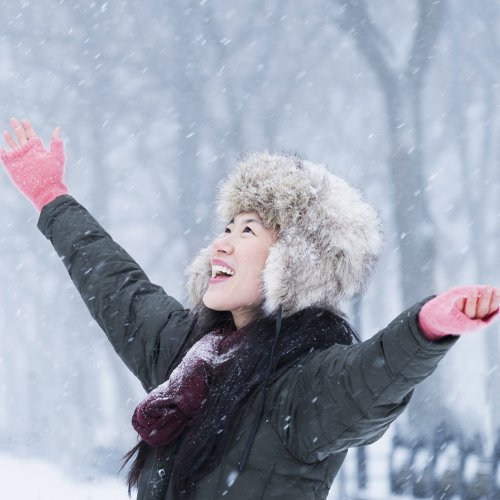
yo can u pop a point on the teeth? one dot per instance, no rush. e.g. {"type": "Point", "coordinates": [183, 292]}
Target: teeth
{"type": "Point", "coordinates": [221, 269]}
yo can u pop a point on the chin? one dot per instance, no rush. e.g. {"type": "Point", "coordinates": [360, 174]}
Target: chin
{"type": "Point", "coordinates": [214, 304]}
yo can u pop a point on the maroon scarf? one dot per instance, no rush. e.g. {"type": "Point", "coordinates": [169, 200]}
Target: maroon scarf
{"type": "Point", "coordinates": [167, 410]}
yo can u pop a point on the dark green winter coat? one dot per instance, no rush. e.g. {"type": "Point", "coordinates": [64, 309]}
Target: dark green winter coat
{"type": "Point", "coordinates": [316, 408]}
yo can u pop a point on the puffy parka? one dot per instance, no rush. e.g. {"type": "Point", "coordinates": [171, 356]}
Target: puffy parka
{"type": "Point", "coordinates": [315, 409]}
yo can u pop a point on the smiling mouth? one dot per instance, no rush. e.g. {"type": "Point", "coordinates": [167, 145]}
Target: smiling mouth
{"type": "Point", "coordinates": [221, 271]}
{"type": "Point", "coordinates": [220, 274]}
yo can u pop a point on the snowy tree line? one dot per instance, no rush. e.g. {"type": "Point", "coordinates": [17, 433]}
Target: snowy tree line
{"type": "Point", "coordinates": [156, 100]}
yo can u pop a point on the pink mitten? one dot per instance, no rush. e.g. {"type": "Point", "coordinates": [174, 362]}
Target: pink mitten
{"type": "Point", "coordinates": [442, 315]}
{"type": "Point", "coordinates": [37, 173]}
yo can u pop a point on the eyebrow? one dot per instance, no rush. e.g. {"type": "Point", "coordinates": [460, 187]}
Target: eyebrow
{"type": "Point", "coordinates": [247, 221]}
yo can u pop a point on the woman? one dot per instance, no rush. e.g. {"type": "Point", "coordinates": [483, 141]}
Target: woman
{"type": "Point", "coordinates": [258, 390]}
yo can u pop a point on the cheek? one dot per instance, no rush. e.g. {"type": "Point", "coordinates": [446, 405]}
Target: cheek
{"type": "Point", "coordinates": [252, 276]}
{"type": "Point", "coordinates": [253, 280]}
{"type": "Point", "coordinates": [257, 259]}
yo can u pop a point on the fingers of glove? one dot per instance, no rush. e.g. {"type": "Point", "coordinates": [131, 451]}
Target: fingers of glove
{"type": "Point", "coordinates": [57, 150]}
{"type": "Point", "coordinates": [495, 301]}
{"type": "Point", "coordinates": [461, 303]}
{"type": "Point", "coordinates": [57, 133]}
{"type": "Point", "coordinates": [484, 302]}
{"type": "Point", "coordinates": [19, 130]}
{"type": "Point", "coordinates": [9, 140]}
{"type": "Point", "coordinates": [30, 132]}
{"type": "Point", "coordinates": [471, 303]}
{"type": "Point", "coordinates": [488, 303]}
{"type": "Point", "coordinates": [480, 302]}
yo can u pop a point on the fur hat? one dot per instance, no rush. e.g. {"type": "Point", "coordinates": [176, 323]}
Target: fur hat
{"type": "Point", "coordinates": [328, 237]}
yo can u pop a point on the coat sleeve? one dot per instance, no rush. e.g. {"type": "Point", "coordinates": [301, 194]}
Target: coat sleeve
{"type": "Point", "coordinates": [348, 396]}
{"type": "Point", "coordinates": [146, 327]}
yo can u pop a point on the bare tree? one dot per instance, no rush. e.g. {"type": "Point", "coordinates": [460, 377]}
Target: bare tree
{"type": "Point", "coordinates": [401, 89]}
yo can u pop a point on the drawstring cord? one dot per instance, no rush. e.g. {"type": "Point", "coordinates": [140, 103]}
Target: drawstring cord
{"type": "Point", "coordinates": [248, 446]}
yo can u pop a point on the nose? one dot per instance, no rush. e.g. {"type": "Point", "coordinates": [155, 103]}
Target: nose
{"type": "Point", "coordinates": [223, 245]}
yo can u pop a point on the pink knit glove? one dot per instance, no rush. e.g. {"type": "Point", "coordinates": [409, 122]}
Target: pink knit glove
{"type": "Point", "coordinates": [449, 313]}
{"type": "Point", "coordinates": [38, 174]}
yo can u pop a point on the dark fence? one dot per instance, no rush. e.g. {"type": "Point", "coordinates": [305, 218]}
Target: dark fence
{"type": "Point", "coordinates": [448, 465]}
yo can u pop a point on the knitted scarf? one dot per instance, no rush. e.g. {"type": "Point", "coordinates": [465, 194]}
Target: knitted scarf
{"type": "Point", "coordinates": [167, 410]}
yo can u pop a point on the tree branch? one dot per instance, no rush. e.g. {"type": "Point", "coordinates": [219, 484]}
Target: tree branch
{"type": "Point", "coordinates": [430, 22]}
{"type": "Point", "coordinates": [355, 20]}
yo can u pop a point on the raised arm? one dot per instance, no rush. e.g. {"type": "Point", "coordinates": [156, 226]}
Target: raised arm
{"type": "Point", "coordinates": [146, 327]}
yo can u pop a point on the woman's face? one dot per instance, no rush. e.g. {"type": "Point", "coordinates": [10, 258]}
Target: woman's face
{"type": "Point", "coordinates": [238, 259]}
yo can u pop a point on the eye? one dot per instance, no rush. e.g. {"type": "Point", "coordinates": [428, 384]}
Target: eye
{"type": "Point", "coordinates": [249, 229]}
{"type": "Point", "coordinates": [227, 230]}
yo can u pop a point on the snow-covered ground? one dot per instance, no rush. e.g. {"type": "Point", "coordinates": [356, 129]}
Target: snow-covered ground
{"type": "Point", "coordinates": [33, 479]}
{"type": "Point", "coordinates": [37, 479]}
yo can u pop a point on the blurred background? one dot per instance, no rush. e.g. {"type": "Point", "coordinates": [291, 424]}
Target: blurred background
{"type": "Point", "coordinates": [156, 101]}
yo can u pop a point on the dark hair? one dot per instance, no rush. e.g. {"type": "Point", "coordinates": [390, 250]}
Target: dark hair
{"type": "Point", "coordinates": [205, 441]}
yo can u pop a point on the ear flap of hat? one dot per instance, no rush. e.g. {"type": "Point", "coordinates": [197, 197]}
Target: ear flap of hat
{"type": "Point", "coordinates": [326, 255]}
{"type": "Point", "coordinates": [296, 277]}
{"type": "Point", "coordinates": [299, 274]}
{"type": "Point", "coordinates": [199, 272]}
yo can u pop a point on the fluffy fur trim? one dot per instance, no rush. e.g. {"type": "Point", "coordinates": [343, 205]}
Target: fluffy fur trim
{"type": "Point", "coordinates": [329, 237]}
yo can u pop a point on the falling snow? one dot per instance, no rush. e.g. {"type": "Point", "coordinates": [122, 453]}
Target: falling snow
{"type": "Point", "coordinates": [155, 104]}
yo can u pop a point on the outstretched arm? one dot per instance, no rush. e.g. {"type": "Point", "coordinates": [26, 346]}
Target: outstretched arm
{"type": "Point", "coordinates": [346, 396]}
